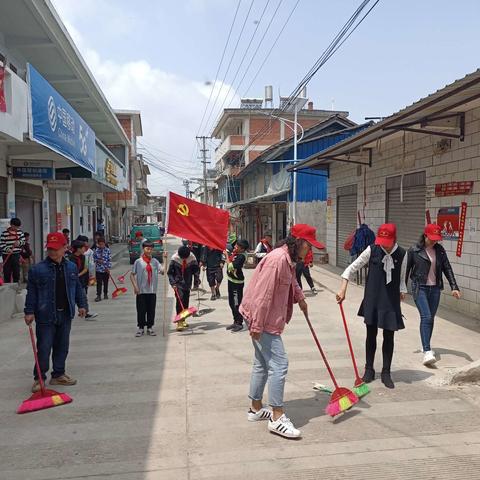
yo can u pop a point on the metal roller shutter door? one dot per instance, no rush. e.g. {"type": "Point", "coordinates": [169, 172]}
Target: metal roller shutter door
{"type": "Point", "coordinates": [346, 224]}
{"type": "Point", "coordinates": [409, 215]}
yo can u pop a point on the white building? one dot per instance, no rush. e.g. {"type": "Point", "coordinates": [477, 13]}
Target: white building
{"type": "Point", "coordinates": [49, 187]}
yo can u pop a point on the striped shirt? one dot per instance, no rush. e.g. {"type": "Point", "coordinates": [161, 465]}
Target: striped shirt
{"type": "Point", "coordinates": [11, 241]}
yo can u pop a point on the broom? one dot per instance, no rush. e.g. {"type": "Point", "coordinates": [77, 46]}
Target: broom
{"type": "Point", "coordinates": [118, 291]}
{"type": "Point", "coordinates": [121, 278]}
{"type": "Point", "coordinates": [360, 387]}
{"type": "Point", "coordinates": [186, 312]}
{"type": "Point", "coordinates": [44, 398]}
{"type": "Point", "coordinates": [342, 399]}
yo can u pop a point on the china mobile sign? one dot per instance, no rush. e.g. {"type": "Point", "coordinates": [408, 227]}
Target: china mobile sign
{"type": "Point", "coordinates": [56, 125]}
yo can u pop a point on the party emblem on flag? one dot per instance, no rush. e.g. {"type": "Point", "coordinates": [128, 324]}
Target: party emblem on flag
{"type": "Point", "coordinates": [183, 210]}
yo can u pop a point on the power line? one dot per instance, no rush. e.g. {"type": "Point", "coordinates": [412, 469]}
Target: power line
{"type": "Point", "coordinates": [219, 66]}
{"type": "Point", "coordinates": [338, 40]}
{"type": "Point", "coordinates": [272, 47]}
{"type": "Point", "coordinates": [258, 48]}
{"type": "Point", "coordinates": [229, 63]}
{"type": "Point", "coordinates": [243, 57]}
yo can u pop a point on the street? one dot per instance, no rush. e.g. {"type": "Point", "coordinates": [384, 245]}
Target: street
{"type": "Point", "coordinates": [175, 407]}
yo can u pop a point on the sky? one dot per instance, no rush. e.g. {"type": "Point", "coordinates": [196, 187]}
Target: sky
{"type": "Point", "coordinates": [162, 57]}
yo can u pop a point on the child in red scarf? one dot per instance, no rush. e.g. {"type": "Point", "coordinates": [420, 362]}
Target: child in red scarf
{"type": "Point", "coordinates": [144, 278]}
{"type": "Point", "coordinates": [180, 275]}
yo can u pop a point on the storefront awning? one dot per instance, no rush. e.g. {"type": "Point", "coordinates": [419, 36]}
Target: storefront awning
{"type": "Point", "coordinates": [265, 198]}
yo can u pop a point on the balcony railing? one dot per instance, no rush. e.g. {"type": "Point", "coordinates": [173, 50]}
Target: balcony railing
{"type": "Point", "coordinates": [232, 142]}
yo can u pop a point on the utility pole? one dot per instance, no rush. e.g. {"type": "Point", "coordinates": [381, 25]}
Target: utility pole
{"type": "Point", "coordinates": [203, 152]}
{"type": "Point", "coordinates": [186, 184]}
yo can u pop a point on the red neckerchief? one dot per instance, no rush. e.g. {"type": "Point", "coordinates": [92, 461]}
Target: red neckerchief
{"type": "Point", "coordinates": [266, 245]}
{"type": "Point", "coordinates": [149, 269]}
{"type": "Point", "coordinates": [184, 266]}
{"type": "Point", "coordinates": [78, 260]}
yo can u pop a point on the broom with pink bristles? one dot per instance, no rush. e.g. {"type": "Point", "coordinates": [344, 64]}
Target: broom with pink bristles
{"type": "Point", "coordinates": [45, 398]}
{"type": "Point", "coordinates": [186, 312]}
{"type": "Point", "coordinates": [342, 399]}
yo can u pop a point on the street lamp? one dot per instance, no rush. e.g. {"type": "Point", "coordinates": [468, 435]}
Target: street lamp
{"type": "Point", "coordinates": [294, 105]}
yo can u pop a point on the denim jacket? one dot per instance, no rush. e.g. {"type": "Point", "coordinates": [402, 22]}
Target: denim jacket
{"type": "Point", "coordinates": [40, 299]}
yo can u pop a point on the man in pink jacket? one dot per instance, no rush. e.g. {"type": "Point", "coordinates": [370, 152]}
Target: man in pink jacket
{"type": "Point", "coordinates": [267, 307]}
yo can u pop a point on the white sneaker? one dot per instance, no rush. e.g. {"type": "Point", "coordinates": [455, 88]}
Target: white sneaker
{"type": "Point", "coordinates": [139, 332]}
{"type": "Point", "coordinates": [429, 358]}
{"type": "Point", "coordinates": [151, 332]}
{"type": "Point", "coordinates": [284, 427]}
{"type": "Point", "coordinates": [262, 414]}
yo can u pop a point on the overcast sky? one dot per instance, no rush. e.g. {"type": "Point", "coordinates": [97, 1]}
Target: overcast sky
{"type": "Point", "coordinates": [161, 57]}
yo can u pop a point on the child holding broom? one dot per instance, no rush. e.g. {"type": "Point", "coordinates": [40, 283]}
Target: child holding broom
{"type": "Point", "coordinates": [103, 264]}
{"type": "Point", "coordinates": [385, 288]}
{"type": "Point", "coordinates": [144, 278]}
{"type": "Point", "coordinates": [181, 270]}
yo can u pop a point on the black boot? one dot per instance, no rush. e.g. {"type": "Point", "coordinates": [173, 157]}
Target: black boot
{"type": "Point", "coordinates": [387, 379]}
{"type": "Point", "coordinates": [369, 375]}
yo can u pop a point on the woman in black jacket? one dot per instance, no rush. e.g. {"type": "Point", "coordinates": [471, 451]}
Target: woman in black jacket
{"type": "Point", "coordinates": [427, 261]}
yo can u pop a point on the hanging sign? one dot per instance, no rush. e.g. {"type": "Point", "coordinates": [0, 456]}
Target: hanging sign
{"type": "Point", "coordinates": [463, 216]}
{"type": "Point", "coordinates": [55, 124]}
{"type": "Point", "coordinates": [453, 188]}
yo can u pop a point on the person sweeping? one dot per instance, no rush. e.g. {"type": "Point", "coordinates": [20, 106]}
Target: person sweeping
{"type": "Point", "coordinates": [181, 270]}
{"type": "Point", "coordinates": [385, 288]}
{"type": "Point", "coordinates": [53, 290]}
{"type": "Point", "coordinates": [267, 307]}
{"type": "Point", "coordinates": [144, 278]}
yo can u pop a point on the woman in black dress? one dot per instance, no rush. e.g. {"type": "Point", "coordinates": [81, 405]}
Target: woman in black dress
{"type": "Point", "coordinates": [385, 288]}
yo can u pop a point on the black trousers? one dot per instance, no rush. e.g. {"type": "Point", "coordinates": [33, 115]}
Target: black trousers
{"type": "Point", "coordinates": [302, 269]}
{"type": "Point", "coordinates": [235, 297]}
{"type": "Point", "coordinates": [146, 303]}
{"type": "Point", "coordinates": [102, 280]}
{"type": "Point", "coordinates": [387, 347]}
{"type": "Point", "coordinates": [185, 297]}
{"type": "Point", "coordinates": [11, 269]}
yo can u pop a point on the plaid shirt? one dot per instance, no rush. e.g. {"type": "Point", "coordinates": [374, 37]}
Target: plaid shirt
{"type": "Point", "coordinates": [105, 255]}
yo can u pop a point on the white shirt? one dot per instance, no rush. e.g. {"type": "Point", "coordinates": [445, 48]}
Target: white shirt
{"type": "Point", "coordinates": [258, 251]}
{"type": "Point", "coordinates": [363, 260]}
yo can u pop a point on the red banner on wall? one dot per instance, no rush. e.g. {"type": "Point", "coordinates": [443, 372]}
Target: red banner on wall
{"type": "Point", "coordinates": [3, 103]}
{"type": "Point", "coordinates": [461, 228]}
{"type": "Point", "coordinates": [453, 188]}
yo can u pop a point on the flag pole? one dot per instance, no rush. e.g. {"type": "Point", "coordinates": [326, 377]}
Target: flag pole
{"type": "Point", "coordinates": [165, 264]}
{"type": "Point", "coordinates": [165, 281]}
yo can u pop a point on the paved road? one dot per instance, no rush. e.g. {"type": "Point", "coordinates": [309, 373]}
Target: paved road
{"type": "Point", "coordinates": [175, 408]}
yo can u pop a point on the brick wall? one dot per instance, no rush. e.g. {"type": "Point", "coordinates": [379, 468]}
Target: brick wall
{"type": "Point", "coordinates": [461, 162]}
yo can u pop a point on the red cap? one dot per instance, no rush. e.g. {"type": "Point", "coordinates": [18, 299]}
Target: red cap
{"type": "Point", "coordinates": [433, 232]}
{"type": "Point", "coordinates": [306, 232]}
{"type": "Point", "coordinates": [386, 235]}
{"type": "Point", "coordinates": [139, 234]}
{"type": "Point", "coordinates": [56, 240]}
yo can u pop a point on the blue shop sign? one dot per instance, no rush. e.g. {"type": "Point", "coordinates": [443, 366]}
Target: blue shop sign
{"type": "Point", "coordinates": [56, 125]}
{"type": "Point", "coordinates": [34, 173]}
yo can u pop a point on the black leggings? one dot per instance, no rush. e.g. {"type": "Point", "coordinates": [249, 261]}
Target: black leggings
{"type": "Point", "coordinates": [302, 269]}
{"type": "Point", "coordinates": [371, 347]}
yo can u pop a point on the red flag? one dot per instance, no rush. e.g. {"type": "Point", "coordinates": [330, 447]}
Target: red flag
{"type": "Point", "coordinates": [197, 222]}
{"type": "Point", "coordinates": [3, 103]}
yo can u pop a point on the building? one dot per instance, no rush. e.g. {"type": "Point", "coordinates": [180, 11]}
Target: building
{"type": "Point", "coordinates": [267, 185]}
{"type": "Point", "coordinates": [55, 126]}
{"type": "Point", "coordinates": [130, 204]}
{"type": "Point", "coordinates": [245, 132]}
{"type": "Point", "coordinates": [419, 165]}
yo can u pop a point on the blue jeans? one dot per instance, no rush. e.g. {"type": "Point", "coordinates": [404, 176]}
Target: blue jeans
{"type": "Point", "coordinates": [53, 338]}
{"type": "Point", "coordinates": [427, 301]}
{"type": "Point", "coordinates": [270, 364]}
